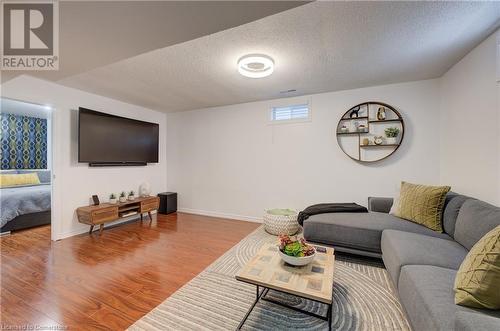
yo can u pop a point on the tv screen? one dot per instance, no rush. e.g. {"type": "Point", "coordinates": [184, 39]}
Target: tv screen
{"type": "Point", "coordinates": [109, 139]}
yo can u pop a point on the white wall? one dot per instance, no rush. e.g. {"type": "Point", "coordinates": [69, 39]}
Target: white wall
{"type": "Point", "coordinates": [228, 161]}
{"type": "Point", "coordinates": [470, 112]}
{"type": "Point", "coordinates": [75, 182]}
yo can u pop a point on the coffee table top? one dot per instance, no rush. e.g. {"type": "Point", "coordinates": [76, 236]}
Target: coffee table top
{"type": "Point", "coordinates": [313, 281]}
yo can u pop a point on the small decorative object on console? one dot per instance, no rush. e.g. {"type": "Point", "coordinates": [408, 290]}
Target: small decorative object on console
{"type": "Point", "coordinates": [295, 251]}
{"type": "Point", "coordinates": [145, 190]}
{"type": "Point", "coordinates": [112, 198]}
{"type": "Point", "coordinates": [131, 195]}
{"type": "Point", "coordinates": [123, 197]}
{"type": "Point", "coordinates": [96, 200]}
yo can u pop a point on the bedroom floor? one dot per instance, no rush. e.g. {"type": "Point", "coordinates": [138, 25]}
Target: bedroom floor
{"type": "Point", "coordinates": [109, 281]}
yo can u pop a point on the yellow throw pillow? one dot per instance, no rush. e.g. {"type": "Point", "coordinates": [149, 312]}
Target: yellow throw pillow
{"type": "Point", "coordinates": [423, 204]}
{"type": "Point", "coordinates": [477, 284]}
{"type": "Point", "coordinates": [7, 180]}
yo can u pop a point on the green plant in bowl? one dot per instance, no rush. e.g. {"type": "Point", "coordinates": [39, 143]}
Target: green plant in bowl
{"type": "Point", "coordinates": [391, 132]}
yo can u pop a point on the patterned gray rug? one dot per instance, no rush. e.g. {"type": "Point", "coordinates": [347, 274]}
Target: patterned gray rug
{"type": "Point", "coordinates": [363, 299]}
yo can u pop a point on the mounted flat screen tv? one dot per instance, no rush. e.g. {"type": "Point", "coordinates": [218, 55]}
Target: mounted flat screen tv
{"type": "Point", "coordinates": [109, 140]}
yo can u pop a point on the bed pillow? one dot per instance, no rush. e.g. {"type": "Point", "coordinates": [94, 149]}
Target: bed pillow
{"type": "Point", "coordinates": [9, 180]}
{"type": "Point", "coordinates": [43, 175]}
{"type": "Point", "coordinates": [423, 204]}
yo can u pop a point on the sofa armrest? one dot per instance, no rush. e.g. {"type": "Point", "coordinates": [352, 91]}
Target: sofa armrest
{"type": "Point", "coordinates": [382, 205]}
{"type": "Point", "coordinates": [469, 321]}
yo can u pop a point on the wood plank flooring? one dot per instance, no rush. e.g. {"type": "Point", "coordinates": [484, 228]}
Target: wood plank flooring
{"type": "Point", "coordinates": [107, 282]}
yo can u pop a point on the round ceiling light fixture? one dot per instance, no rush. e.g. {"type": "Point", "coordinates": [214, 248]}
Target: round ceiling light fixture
{"type": "Point", "coordinates": [256, 65]}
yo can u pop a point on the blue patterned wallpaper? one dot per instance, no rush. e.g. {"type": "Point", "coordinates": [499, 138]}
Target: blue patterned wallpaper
{"type": "Point", "coordinates": [23, 142]}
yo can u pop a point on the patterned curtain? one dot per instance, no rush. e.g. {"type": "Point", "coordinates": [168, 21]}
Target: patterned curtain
{"type": "Point", "coordinates": [23, 142]}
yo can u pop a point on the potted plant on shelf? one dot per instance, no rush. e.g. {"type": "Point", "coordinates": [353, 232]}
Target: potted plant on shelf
{"type": "Point", "coordinates": [112, 198]}
{"type": "Point", "coordinates": [131, 195]}
{"type": "Point", "coordinates": [392, 135]}
{"type": "Point", "coordinates": [123, 197]}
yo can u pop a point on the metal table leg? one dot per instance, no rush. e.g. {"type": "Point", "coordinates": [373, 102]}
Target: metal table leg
{"type": "Point", "coordinates": [262, 295]}
{"type": "Point", "coordinates": [258, 295]}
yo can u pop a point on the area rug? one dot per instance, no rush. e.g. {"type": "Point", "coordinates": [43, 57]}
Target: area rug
{"type": "Point", "coordinates": [363, 299]}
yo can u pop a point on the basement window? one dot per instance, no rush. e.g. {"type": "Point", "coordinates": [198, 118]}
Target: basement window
{"type": "Point", "coordinates": [291, 113]}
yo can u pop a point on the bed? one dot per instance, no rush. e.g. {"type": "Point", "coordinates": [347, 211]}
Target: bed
{"type": "Point", "coordinates": [24, 206]}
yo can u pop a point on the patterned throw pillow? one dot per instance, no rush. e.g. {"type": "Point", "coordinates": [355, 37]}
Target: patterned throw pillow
{"type": "Point", "coordinates": [477, 283]}
{"type": "Point", "coordinates": [423, 204]}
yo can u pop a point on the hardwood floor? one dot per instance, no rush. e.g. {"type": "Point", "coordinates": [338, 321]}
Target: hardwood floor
{"type": "Point", "coordinates": [109, 281]}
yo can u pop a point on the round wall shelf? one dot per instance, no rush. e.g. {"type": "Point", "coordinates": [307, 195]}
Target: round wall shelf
{"type": "Point", "coordinates": [361, 132]}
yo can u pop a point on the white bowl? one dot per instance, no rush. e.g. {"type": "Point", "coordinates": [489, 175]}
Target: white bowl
{"type": "Point", "coordinates": [297, 261]}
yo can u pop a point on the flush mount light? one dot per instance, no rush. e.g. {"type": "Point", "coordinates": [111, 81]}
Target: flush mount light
{"type": "Point", "coordinates": [255, 65]}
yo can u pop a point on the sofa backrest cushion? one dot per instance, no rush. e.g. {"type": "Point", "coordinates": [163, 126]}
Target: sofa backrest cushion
{"type": "Point", "coordinates": [475, 219]}
{"type": "Point", "coordinates": [452, 206]}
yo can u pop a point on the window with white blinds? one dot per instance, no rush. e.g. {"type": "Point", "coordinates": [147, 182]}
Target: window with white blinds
{"type": "Point", "coordinates": [290, 113]}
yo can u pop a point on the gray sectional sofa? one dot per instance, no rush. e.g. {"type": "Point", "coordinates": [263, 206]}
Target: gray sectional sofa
{"type": "Point", "coordinates": [421, 263]}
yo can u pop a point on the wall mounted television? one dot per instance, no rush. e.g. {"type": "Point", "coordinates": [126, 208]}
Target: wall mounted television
{"type": "Point", "coordinates": [109, 140]}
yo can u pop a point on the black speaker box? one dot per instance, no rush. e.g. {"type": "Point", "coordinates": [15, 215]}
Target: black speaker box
{"type": "Point", "coordinates": [168, 202]}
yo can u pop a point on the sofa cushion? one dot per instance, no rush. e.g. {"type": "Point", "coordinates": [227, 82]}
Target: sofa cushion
{"type": "Point", "coordinates": [403, 248]}
{"type": "Point", "coordinates": [362, 231]}
{"type": "Point", "coordinates": [452, 206]}
{"type": "Point", "coordinates": [423, 204]}
{"type": "Point", "coordinates": [473, 321]}
{"type": "Point", "coordinates": [475, 219]}
{"type": "Point", "coordinates": [427, 294]}
{"type": "Point", "coordinates": [478, 278]}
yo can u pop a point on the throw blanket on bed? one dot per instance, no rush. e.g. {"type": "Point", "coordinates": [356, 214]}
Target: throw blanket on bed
{"type": "Point", "coordinates": [23, 200]}
{"type": "Point", "coordinates": [325, 208]}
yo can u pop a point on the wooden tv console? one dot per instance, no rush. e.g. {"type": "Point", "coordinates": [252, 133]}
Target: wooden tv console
{"type": "Point", "coordinates": [107, 212]}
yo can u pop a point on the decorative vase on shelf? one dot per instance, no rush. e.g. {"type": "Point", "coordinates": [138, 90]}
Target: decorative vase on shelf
{"type": "Point", "coordinates": [131, 196]}
{"type": "Point", "coordinates": [391, 140]}
{"type": "Point", "coordinates": [381, 114]}
{"type": "Point", "coordinates": [112, 199]}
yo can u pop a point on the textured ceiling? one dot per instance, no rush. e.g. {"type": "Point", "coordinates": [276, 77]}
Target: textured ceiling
{"type": "Point", "coordinates": [317, 47]}
{"type": "Point", "coordinates": [96, 33]}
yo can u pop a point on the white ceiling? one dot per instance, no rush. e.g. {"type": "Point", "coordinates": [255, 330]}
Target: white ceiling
{"type": "Point", "coordinates": [96, 33]}
{"type": "Point", "coordinates": [317, 47]}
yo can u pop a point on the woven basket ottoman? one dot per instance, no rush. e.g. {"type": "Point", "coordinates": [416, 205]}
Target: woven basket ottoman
{"type": "Point", "coordinates": [281, 221]}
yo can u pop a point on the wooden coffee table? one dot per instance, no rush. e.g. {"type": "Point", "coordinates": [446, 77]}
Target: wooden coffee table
{"type": "Point", "coordinates": [313, 281]}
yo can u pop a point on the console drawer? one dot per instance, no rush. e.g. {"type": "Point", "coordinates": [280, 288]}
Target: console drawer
{"type": "Point", "coordinates": [104, 215]}
{"type": "Point", "coordinates": [149, 205]}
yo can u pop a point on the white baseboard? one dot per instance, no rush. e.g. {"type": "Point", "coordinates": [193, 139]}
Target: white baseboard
{"type": "Point", "coordinates": [220, 215]}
